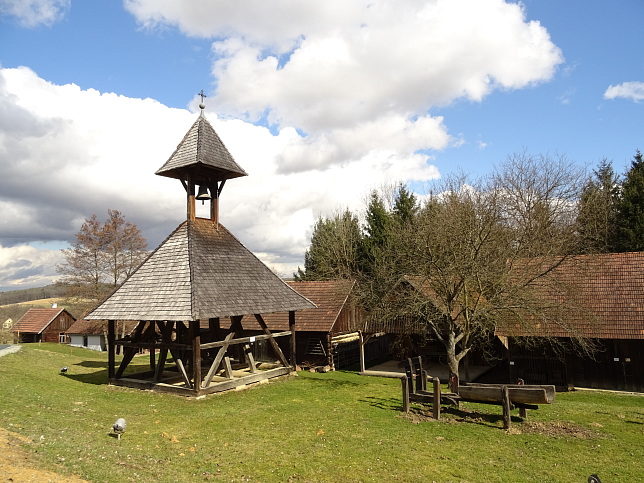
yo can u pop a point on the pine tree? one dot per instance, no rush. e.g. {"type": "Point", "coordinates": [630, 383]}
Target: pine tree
{"type": "Point", "coordinates": [405, 205]}
{"type": "Point", "coordinates": [631, 207]}
{"type": "Point", "coordinates": [598, 209]}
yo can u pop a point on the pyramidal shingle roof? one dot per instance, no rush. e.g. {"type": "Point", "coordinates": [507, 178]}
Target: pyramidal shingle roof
{"type": "Point", "coordinates": [203, 153]}
{"type": "Point", "coordinates": [200, 271]}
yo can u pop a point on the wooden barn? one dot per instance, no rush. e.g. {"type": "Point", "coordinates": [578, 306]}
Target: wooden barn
{"type": "Point", "coordinates": [609, 289]}
{"type": "Point", "coordinates": [328, 335]}
{"type": "Point", "coordinates": [44, 325]}
{"type": "Point", "coordinates": [192, 298]}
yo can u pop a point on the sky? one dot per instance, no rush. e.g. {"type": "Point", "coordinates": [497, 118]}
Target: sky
{"type": "Point", "coordinates": [320, 102]}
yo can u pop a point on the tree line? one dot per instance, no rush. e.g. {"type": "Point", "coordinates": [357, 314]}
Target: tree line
{"type": "Point", "coordinates": [480, 251]}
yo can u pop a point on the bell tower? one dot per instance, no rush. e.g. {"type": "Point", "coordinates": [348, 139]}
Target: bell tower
{"type": "Point", "coordinates": [201, 160]}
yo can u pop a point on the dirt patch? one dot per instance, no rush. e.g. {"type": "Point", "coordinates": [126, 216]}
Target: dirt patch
{"type": "Point", "coordinates": [16, 465]}
{"type": "Point", "coordinates": [555, 429]}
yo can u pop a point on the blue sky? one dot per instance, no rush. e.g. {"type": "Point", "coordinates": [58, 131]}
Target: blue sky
{"type": "Point", "coordinates": [319, 101]}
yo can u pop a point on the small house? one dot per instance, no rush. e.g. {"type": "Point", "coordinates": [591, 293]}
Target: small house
{"type": "Point", "coordinates": [44, 325]}
{"type": "Point", "coordinates": [92, 334]}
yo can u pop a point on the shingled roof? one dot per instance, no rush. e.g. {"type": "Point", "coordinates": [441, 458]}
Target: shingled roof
{"type": "Point", "coordinates": [202, 153]}
{"type": "Point", "coordinates": [610, 289]}
{"type": "Point", "coordinates": [36, 321]}
{"type": "Point", "coordinates": [200, 271]}
{"type": "Point", "coordinates": [330, 298]}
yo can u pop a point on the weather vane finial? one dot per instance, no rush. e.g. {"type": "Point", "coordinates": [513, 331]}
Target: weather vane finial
{"type": "Point", "coordinates": [202, 106]}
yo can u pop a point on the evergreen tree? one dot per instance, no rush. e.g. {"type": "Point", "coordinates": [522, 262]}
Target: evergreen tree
{"type": "Point", "coordinates": [631, 207]}
{"type": "Point", "coordinates": [377, 231]}
{"type": "Point", "coordinates": [598, 208]}
{"type": "Point", "coordinates": [405, 205]}
{"type": "Point", "coordinates": [333, 253]}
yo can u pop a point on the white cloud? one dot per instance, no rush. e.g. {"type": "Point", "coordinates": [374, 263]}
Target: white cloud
{"type": "Point", "coordinates": [25, 266]}
{"type": "Point", "coordinates": [339, 70]}
{"type": "Point", "coordinates": [67, 153]}
{"type": "Point", "coordinates": [633, 91]}
{"type": "Point", "coordinates": [31, 13]}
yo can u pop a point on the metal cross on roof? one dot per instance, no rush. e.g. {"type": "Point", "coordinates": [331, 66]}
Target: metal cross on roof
{"type": "Point", "coordinates": [202, 95]}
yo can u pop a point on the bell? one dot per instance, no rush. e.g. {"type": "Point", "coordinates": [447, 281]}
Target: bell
{"type": "Point", "coordinates": [203, 194]}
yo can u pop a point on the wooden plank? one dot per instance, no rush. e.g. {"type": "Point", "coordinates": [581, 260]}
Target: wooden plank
{"type": "Point", "coordinates": [393, 375]}
{"type": "Point", "coordinates": [361, 349]}
{"type": "Point", "coordinates": [548, 388]}
{"type": "Point", "coordinates": [522, 394]}
{"type": "Point", "coordinates": [228, 370]}
{"type": "Point", "coordinates": [131, 350]}
{"type": "Point", "coordinates": [243, 381]}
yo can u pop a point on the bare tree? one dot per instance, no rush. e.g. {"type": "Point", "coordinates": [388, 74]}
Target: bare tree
{"type": "Point", "coordinates": [465, 261]}
{"type": "Point", "coordinates": [102, 257]}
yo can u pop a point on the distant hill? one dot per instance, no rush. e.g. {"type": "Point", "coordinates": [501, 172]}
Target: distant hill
{"type": "Point", "coordinates": [29, 294]}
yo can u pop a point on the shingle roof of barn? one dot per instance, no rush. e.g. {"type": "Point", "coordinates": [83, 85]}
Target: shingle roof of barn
{"type": "Point", "coordinates": [200, 272]}
{"type": "Point", "coordinates": [202, 152]}
{"type": "Point", "coordinates": [36, 320]}
{"type": "Point", "coordinates": [608, 286]}
{"type": "Point", "coordinates": [330, 298]}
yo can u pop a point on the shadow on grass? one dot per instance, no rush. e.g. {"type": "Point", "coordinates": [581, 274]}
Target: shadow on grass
{"type": "Point", "coordinates": [388, 404]}
{"type": "Point", "coordinates": [97, 378]}
{"type": "Point", "coordinates": [91, 364]}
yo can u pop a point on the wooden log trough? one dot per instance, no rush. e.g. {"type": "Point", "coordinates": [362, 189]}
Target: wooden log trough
{"type": "Point", "coordinates": [508, 396]}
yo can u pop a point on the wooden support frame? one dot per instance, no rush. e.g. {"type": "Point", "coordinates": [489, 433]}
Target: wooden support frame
{"type": "Point", "coordinates": [184, 343]}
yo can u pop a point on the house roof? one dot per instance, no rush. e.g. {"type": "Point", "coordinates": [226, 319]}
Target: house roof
{"type": "Point", "coordinates": [200, 271]}
{"type": "Point", "coordinates": [609, 289]}
{"type": "Point", "coordinates": [202, 153]}
{"type": "Point", "coordinates": [330, 297]}
{"type": "Point", "coordinates": [95, 327]}
{"type": "Point", "coordinates": [37, 320]}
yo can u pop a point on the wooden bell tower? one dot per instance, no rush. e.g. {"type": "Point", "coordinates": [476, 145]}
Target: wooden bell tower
{"type": "Point", "coordinates": [203, 164]}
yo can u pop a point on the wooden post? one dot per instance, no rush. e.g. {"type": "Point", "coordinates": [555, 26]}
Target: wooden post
{"type": "Point", "coordinates": [196, 354]}
{"type": "Point", "coordinates": [405, 393]}
{"type": "Point", "coordinates": [523, 412]}
{"type": "Point", "coordinates": [361, 348]}
{"type": "Point", "coordinates": [291, 327]}
{"type": "Point", "coordinates": [111, 355]}
{"type": "Point", "coordinates": [191, 197]}
{"type": "Point", "coordinates": [507, 417]}
{"type": "Point", "coordinates": [436, 407]}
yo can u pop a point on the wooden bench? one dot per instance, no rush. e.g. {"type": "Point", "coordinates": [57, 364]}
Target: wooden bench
{"type": "Point", "coordinates": [509, 396]}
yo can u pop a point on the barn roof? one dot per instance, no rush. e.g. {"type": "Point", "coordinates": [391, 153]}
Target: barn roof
{"type": "Point", "coordinates": [329, 296]}
{"type": "Point", "coordinates": [200, 271]}
{"type": "Point", "coordinates": [202, 153]}
{"type": "Point", "coordinates": [610, 290]}
{"type": "Point", "coordinates": [37, 320]}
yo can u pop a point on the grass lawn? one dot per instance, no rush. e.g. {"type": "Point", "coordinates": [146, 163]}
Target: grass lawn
{"type": "Point", "coordinates": [331, 427]}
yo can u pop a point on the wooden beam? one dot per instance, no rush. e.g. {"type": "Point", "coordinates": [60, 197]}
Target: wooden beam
{"type": "Point", "coordinates": [130, 351]}
{"type": "Point", "coordinates": [361, 350]}
{"type": "Point", "coordinates": [111, 354]}
{"type": "Point", "coordinates": [507, 417]}
{"type": "Point", "coordinates": [250, 360]}
{"type": "Point", "coordinates": [244, 340]}
{"type": "Point", "coordinates": [196, 353]}
{"type": "Point", "coordinates": [273, 342]}
{"type": "Point", "coordinates": [291, 327]}
{"type": "Point", "coordinates": [218, 358]}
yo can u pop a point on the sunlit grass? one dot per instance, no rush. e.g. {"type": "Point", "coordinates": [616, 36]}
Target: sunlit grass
{"type": "Point", "coordinates": [315, 427]}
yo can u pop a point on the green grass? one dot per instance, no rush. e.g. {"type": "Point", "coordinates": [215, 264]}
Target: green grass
{"type": "Point", "coordinates": [315, 427]}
